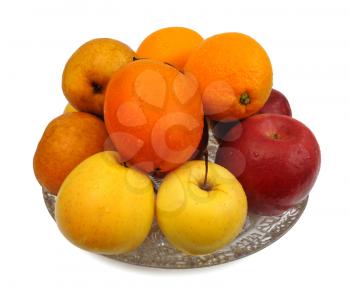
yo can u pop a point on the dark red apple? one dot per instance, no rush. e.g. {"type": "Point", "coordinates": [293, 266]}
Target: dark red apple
{"type": "Point", "coordinates": [220, 129]}
{"type": "Point", "coordinates": [275, 157]}
{"type": "Point", "coordinates": [277, 103]}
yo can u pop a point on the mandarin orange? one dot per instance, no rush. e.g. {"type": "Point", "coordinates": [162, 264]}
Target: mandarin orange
{"type": "Point", "coordinates": [172, 45]}
{"type": "Point", "coordinates": [67, 141]}
{"type": "Point", "coordinates": [234, 74]}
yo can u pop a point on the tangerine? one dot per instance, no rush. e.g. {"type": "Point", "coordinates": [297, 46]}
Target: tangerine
{"type": "Point", "coordinates": [234, 74]}
{"type": "Point", "coordinates": [172, 45]}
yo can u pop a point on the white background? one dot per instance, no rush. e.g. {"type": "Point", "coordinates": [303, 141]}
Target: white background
{"type": "Point", "coordinates": [309, 45]}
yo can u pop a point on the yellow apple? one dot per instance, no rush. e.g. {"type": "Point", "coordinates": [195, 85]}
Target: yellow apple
{"type": "Point", "coordinates": [105, 207]}
{"type": "Point", "coordinates": [69, 108]}
{"type": "Point", "coordinates": [88, 71]}
{"type": "Point", "coordinates": [199, 217]}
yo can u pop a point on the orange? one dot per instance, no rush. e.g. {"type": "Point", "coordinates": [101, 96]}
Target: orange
{"type": "Point", "coordinates": [67, 141]}
{"type": "Point", "coordinates": [172, 45]}
{"type": "Point", "coordinates": [153, 114]}
{"type": "Point", "coordinates": [234, 74]}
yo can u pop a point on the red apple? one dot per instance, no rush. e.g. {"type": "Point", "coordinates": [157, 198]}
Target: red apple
{"type": "Point", "coordinates": [277, 103]}
{"type": "Point", "coordinates": [220, 129]}
{"type": "Point", "coordinates": [275, 157]}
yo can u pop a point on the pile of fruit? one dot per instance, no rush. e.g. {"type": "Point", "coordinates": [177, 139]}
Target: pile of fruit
{"type": "Point", "coordinates": [133, 116]}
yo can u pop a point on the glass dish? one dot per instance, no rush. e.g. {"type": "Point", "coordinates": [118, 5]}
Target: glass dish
{"type": "Point", "coordinates": [258, 233]}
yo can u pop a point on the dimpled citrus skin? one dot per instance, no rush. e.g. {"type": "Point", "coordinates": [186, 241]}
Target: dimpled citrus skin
{"type": "Point", "coordinates": [232, 69]}
{"type": "Point", "coordinates": [172, 45]}
{"type": "Point", "coordinates": [88, 71]}
{"type": "Point", "coordinates": [154, 115]}
{"type": "Point", "coordinates": [67, 141]}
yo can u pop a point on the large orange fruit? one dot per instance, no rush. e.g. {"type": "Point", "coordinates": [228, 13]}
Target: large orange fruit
{"type": "Point", "coordinates": [153, 114]}
{"type": "Point", "coordinates": [67, 141]}
{"type": "Point", "coordinates": [234, 74]}
{"type": "Point", "coordinates": [172, 45]}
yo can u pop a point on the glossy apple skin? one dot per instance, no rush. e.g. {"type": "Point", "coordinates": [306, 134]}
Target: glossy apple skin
{"type": "Point", "coordinates": [277, 103]}
{"type": "Point", "coordinates": [220, 129]}
{"type": "Point", "coordinates": [200, 221]}
{"type": "Point", "coordinates": [275, 157]}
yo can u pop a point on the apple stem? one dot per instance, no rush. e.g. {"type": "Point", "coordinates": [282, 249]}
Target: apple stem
{"type": "Point", "coordinates": [125, 165]}
{"type": "Point", "coordinates": [275, 136]}
{"type": "Point", "coordinates": [135, 58]}
{"type": "Point", "coordinates": [205, 185]}
{"type": "Point", "coordinates": [168, 63]}
{"type": "Point", "coordinates": [179, 70]}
